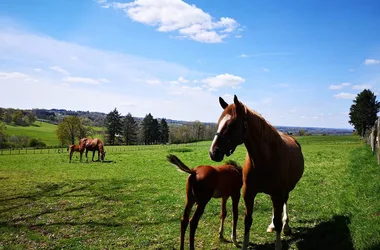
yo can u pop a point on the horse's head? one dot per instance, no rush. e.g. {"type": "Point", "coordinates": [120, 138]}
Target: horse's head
{"type": "Point", "coordinates": [231, 130]}
{"type": "Point", "coordinates": [103, 155]}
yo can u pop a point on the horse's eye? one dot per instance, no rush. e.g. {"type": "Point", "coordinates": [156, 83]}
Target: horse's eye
{"type": "Point", "coordinates": [230, 125]}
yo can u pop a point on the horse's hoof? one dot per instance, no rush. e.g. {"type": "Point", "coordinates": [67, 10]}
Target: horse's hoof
{"type": "Point", "coordinates": [270, 229]}
{"type": "Point", "coordinates": [287, 231]}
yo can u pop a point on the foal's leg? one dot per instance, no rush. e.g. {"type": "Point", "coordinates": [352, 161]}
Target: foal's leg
{"type": "Point", "coordinates": [86, 155]}
{"type": "Point", "coordinates": [185, 218]}
{"type": "Point", "coordinates": [278, 205]}
{"type": "Point", "coordinates": [235, 215]}
{"type": "Point", "coordinates": [223, 214]}
{"type": "Point", "coordinates": [93, 154]}
{"type": "Point", "coordinates": [194, 221]}
{"type": "Point", "coordinates": [249, 198]}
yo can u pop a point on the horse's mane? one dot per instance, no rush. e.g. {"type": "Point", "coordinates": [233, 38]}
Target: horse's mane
{"type": "Point", "coordinates": [234, 163]}
{"type": "Point", "coordinates": [264, 127]}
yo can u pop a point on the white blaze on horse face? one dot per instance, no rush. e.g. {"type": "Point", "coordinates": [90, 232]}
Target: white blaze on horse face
{"type": "Point", "coordinates": [220, 127]}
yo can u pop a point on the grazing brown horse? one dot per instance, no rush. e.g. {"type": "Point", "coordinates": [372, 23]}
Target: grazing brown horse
{"type": "Point", "coordinates": [75, 148]}
{"type": "Point", "coordinates": [273, 165]}
{"type": "Point", "coordinates": [93, 145]}
{"type": "Point", "coordinates": [204, 183]}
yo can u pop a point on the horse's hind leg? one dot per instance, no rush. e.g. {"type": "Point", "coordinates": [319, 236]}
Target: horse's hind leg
{"type": "Point", "coordinates": [285, 219]}
{"type": "Point", "coordinates": [93, 154]}
{"type": "Point", "coordinates": [223, 214]}
{"type": "Point", "coordinates": [185, 219]}
{"type": "Point", "coordinates": [194, 221]}
{"type": "Point", "coordinates": [278, 205]}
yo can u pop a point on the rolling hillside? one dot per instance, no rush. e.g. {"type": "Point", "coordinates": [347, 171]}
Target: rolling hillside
{"type": "Point", "coordinates": [42, 130]}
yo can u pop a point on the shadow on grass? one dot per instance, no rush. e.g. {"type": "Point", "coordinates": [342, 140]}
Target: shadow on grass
{"type": "Point", "coordinates": [332, 234]}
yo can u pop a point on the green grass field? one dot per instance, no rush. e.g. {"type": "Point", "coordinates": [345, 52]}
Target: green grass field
{"type": "Point", "coordinates": [135, 199]}
{"type": "Point", "coordinates": [44, 131]}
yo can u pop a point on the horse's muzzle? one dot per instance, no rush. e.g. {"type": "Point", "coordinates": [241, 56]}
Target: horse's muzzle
{"type": "Point", "coordinates": [216, 155]}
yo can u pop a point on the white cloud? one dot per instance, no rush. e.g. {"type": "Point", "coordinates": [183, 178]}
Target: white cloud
{"type": "Point", "coordinates": [85, 80]}
{"type": "Point", "coordinates": [59, 70]}
{"type": "Point", "coordinates": [153, 82]}
{"type": "Point", "coordinates": [37, 70]}
{"type": "Point", "coordinates": [188, 20]}
{"type": "Point", "coordinates": [123, 73]}
{"type": "Point", "coordinates": [361, 87]}
{"type": "Point", "coordinates": [339, 86]}
{"type": "Point", "coordinates": [266, 54]}
{"type": "Point", "coordinates": [371, 61]}
{"type": "Point", "coordinates": [265, 69]}
{"type": "Point", "coordinates": [223, 80]}
{"type": "Point", "coordinates": [182, 80]}
{"type": "Point", "coordinates": [344, 95]}
{"type": "Point", "coordinates": [16, 75]}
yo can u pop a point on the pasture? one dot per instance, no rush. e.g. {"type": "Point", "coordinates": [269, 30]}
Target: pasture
{"type": "Point", "coordinates": [44, 131]}
{"type": "Point", "coordinates": [135, 199]}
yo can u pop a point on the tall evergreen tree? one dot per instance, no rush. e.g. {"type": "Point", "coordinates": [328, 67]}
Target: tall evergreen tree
{"type": "Point", "coordinates": [363, 113]}
{"type": "Point", "coordinates": [146, 129]}
{"type": "Point", "coordinates": [155, 131]}
{"type": "Point", "coordinates": [130, 129]}
{"type": "Point", "coordinates": [114, 125]}
{"type": "Point", "coordinates": [164, 131]}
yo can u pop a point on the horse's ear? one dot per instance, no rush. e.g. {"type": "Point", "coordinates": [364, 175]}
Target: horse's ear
{"type": "Point", "coordinates": [223, 103]}
{"type": "Point", "coordinates": [238, 104]}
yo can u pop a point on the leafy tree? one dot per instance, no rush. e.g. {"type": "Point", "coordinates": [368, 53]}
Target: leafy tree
{"type": "Point", "coordinates": [114, 125]}
{"type": "Point", "coordinates": [164, 131]}
{"type": "Point", "coordinates": [198, 130]}
{"type": "Point", "coordinates": [363, 113]}
{"type": "Point", "coordinates": [3, 135]}
{"type": "Point", "coordinates": [130, 129]}
{"type": "Point", "coordinates": [69, 129]}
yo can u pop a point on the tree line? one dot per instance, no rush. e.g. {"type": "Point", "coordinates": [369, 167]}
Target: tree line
{"type": "Point", "coordinates": [127, 130]}
{"type": "Point", "coordinates": [17, 117]}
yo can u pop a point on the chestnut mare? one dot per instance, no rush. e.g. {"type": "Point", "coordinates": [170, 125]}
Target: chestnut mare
{"type": "Point", "coordinates": [273, 165]}
{"type": "Point", "coordinates": [204, 183]}
{"type": "Point", "coordinates": [93, 145]}
{"type": "Point", "coordinates": [75, 148]}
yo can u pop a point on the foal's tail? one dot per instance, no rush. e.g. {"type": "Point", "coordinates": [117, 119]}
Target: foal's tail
{"type": "Point", "coordinates": [174, 160]}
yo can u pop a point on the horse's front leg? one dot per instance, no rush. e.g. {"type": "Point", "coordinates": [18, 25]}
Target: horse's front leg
{"type": "Point", "coordinates": [86, 155]}
{"type": "Point", "coordinates": [249, 199]}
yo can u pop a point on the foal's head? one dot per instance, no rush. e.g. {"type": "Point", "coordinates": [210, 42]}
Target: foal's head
{"type": "Point", "coordinates": [231, 130]}
{"type": "Point", "coordinates": [102, 155]}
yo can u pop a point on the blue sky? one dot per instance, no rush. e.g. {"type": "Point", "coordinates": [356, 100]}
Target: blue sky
{"type": "Point", "coordinates": [298, 63]}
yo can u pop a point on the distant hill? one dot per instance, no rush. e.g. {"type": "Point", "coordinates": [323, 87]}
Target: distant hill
{"type": "Point", "coordinates": [97, 119]}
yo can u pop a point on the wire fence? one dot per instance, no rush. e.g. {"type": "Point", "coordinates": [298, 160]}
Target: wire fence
{"type": "Point", "coordinates": [108, 149]}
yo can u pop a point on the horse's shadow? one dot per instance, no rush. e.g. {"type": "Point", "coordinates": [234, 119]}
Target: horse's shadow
{"type": "Point", "coordinates": [331, 234]}
{"type": "Point", "coordinates": [107, 161]}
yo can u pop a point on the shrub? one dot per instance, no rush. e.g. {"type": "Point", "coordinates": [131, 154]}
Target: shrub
{"type": "Point", "coordinates": [33, 142]}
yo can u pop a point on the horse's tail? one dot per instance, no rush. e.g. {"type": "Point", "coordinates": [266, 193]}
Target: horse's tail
{"type": "Point", "coordinates": [174, 160]}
